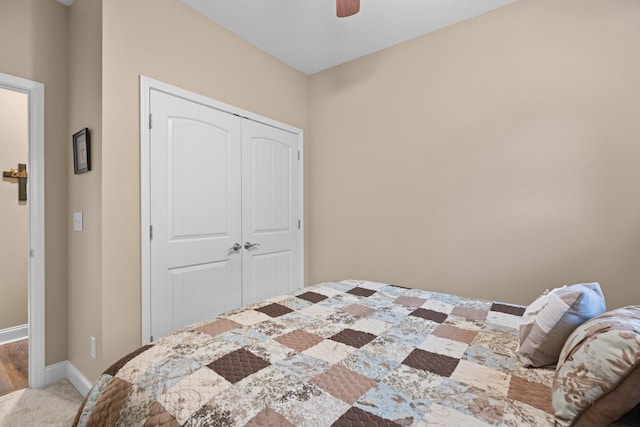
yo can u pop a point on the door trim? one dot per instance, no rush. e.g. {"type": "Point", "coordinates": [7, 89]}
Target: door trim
{"type": "Point", "coordinates": [36, 221]}
{"type": "Point", "coordinates": [146, 85]}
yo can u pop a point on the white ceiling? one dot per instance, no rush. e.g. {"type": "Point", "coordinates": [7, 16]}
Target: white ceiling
{"type": "Point", "coordinates": [307, 35]}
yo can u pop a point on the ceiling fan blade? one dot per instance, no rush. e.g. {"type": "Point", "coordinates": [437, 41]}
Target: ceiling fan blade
{"type": "Point", "coordinates": [346, 8]}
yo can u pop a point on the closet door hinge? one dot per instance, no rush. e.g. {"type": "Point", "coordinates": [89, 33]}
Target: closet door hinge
{"type": "Point", "coordinates": [150, 121]}
{"type": "Point", "coordinates": [298, 154]}
{"type": "Point", "coordinates": [299, 222]}
{"type": "Point", "coordinates": [151, 232]}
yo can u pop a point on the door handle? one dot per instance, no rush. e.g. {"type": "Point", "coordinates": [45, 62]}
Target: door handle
{"type": "Point", "coordinates": [236, 247]}
{"type": "Point", "coordinates": [249, 245]}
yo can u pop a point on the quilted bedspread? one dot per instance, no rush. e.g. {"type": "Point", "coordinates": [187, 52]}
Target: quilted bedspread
{"type": "Point", "coordinates": [345, 353]}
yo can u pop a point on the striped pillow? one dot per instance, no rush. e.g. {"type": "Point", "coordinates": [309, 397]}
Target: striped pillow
{"type": "Point", "coordinates": [550, 319]}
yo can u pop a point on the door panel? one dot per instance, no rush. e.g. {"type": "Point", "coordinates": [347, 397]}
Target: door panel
{"type": "Point", "coordinates": [272, 272]}
{"type": "Point", "coordinates": [271, 186]}
{"type": "Point", "coordinates": [195, 212]}
{"type": "Point", "coordinates": [200, 291]}
{"type": "Point", "coordinates": [269, 211]}
{"type": "Point", "coordinates": [199, 154]}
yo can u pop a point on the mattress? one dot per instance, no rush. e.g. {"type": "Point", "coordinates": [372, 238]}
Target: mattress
{"type": "Point", "coordinates": [342, 353]}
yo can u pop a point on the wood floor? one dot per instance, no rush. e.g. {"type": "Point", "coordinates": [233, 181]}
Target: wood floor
{"type": "Point", "coordinates": [14, 366]}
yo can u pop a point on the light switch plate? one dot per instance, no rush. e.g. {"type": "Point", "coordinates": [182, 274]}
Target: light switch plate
{"type": "Point", "coordinates": [77, 221]}
{"type": "Point", "coordinates": [93, 347]}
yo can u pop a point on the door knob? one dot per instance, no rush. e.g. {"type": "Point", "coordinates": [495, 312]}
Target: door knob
{"type": "Point", "coordinates": [249, 245]}
{"type": "Point", "coordinates": [236, 247]}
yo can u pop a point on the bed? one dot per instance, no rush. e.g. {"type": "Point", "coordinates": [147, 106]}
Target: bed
{"type": "Point", "coordinates": [344, 353]}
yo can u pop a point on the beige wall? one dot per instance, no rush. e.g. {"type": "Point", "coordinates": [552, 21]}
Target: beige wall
{"type": "Point", "coordinates": [166, 40]}
{"type": "Point", "coordinates": [14, 149]}
{"type": "Point", "coordinates": [494, 158]}
{"type": "Point", "coordinates": [33, 45]}
{"type": "Point", "coordinates": [85, 190]}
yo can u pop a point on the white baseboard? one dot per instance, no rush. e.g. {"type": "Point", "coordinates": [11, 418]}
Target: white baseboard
{"type": "Point", "coordinates": [55, 373]}
{"type": "Point", "coordinates": [79, 381]}
{"type": "Point", "coordinates": [66, 370]}
{"type": "Point", "coordinates": [15, 333]}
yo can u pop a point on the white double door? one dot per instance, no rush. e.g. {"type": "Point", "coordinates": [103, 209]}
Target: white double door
{"type": "Point", "coordinates": [224, 212]}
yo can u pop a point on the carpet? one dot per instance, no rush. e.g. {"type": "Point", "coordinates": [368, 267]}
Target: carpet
{"type": "Point", "coordinates": [54, 405]}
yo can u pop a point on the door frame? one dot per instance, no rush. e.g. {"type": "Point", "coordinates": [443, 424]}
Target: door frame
{"type": "Point", "coordinates": [146, 85]}
{"type": "Point", "coordinates": [36, 224]}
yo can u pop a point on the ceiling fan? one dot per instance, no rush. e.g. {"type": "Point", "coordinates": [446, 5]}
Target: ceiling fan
{"type": "Point", "coordinates": [346, 8]}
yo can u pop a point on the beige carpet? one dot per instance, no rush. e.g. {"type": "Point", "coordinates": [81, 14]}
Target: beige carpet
{"type": "Point", "coordinates": [54, 405]}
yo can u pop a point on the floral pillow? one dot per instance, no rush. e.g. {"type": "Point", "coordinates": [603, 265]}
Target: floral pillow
{"type": "Point", "coordinates": [597, 379]}
{"type": "Point", "coordinates": [550, 319]}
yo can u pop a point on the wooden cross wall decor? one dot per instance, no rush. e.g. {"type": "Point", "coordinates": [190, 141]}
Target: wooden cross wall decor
{"type": "Point", "coordinates": [21, 175]}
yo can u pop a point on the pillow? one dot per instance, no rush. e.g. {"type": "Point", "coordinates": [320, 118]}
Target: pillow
{"type": "Point", "coordinates": [550, 319]}
{"type": "Point", "coordinates": [597, 379]}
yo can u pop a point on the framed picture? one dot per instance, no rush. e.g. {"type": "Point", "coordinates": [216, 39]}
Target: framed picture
{"type": "Point", "coordinates": [81, 152]}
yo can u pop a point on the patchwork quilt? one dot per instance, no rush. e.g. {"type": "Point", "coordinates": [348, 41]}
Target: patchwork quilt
{"type": "Point", "coordinates": [345, 353]}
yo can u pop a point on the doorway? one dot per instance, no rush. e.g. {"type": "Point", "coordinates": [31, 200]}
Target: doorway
{"type": "Point", "coordinates": [14, 327]}
{"type": "Point", "coordinates": [32, 247]}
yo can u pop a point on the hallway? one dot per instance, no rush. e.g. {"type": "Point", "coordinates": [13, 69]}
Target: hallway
{"type": "Point", "coordinates": [14, 366]}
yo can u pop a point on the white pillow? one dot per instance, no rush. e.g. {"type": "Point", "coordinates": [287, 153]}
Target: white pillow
{"type": "Point", "coordinates": [550, 319]}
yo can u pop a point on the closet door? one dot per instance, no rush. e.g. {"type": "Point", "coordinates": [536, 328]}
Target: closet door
{"type": "Point", "coordinates": [271, 256]}
{"type": "Point", "coordinates": [195, 173]}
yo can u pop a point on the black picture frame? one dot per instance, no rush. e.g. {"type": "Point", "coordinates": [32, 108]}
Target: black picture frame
{"type": "Point", "coordinates": [81, 152]}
